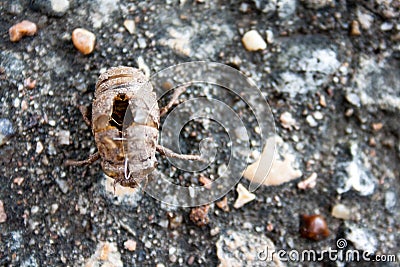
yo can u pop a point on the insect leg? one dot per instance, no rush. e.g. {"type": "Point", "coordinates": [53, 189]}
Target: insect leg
{"type": "Point", "coordinates": [171, 154]}
{"type": "Point", "coordinates": [178, 91]}
{"type": "Point", "coordinates": [92, 158]}
{"type": "Point", "coordinates": [85, 114]}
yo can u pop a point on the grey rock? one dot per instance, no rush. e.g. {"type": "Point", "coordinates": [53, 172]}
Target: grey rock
{"type": "Point", "coordinates": [268, 7]}
{"type": "Point", "coordinates": [354, 175]}
{"type": "Point", "coordinates": [55, 8]}
{"type": "Point", "coordinates": [6, 130]}
{"type": "Point", "coordinates": [197, 40]}
{"type": "Point", "coordinates": [286, 8]}
{"type": "Point", "coordinates": [63, 137]}
{"type": "Point", "coordinates": [305, 64]}
{"type": "Point", "coordinates": [102, 11]}
{"type": "Point", "coordinates": [378, 84]}
{"type": "Point", "coordinates": [353, 99]}
{"type": "Point", "coordinates": [390, 200]}
{"type": "Point", "coordinates": [235, 248]}
{"type": "Point", "coordinates": [362, 238]}
{"type": "Point", "coordinates": [63, 185]}
{"type": "Point", "coordinates": [15, 7]}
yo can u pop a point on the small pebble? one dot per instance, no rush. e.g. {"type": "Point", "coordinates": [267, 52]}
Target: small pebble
{"type": "Point", "coordinates": [355, 28]}
{"type": "Point", "coordinates": [54, 208]}
{"type": "Point", "coordinates": [3, 215]}
{"type": "Point", "coordinates": [39, 147]}
{"type": "Point", "coordinates": [199, 215]}
{"type": "Point", "coordinates": [353, 99]}
{"type": "Point", "coordinates": [377, 126]}
{"type": "Point", "coordinates": [287, 121]}
{"type": "Point", "coordinates": [322, 101]}
{"type": "Point", "coordinates": [29, 83]}
{"type": "Point", "coordinates": [311, 121]}
{"type": "Point", "coordinates": [63, 137]}
{"type": "Point", "coordinates": [207, 183]}
{"type": "Point", "coordinates": [313, 227]}
{"type": "Point", "coordinates": [51, 7]}
{"type": "Point", "coordinates": [191, 260]}
{"type": "Point", "coordinates": [244, 7]}
{"type": "Point", "coordinates": [214, 231]}
{"type": "Point", "coordinates": [34, 209]}
{"type": "Point", "coordinates": [130, 26]}
{"type": "Point", "coordinates": [244, 196]}
{"type": "Point", "coordinates": [310, 182]}
{"type": "Point", "coordinates": [318, 115]}
{"type": "Point", "coordinates": [175, 220]}
{"type": "Point", "coordinates": [386, 26]}
{"type": "Point", "coordinates": [270, 36]}
{"type": "Point", "coordinates": [83, 40]}
{"type": "Point", "coordinates": [24, 105]}
{"type": "Point", "coordinates": [366, 20]}
{"type": "Point", "coordinates": [142, 43]}
{"type": "Point", "coordinates": [253, 41]}
{"type": "Point", "coordinates": [6, 130]}
{"type": "Point", "coordinates": [340, 211]}
{"type": "Point", "coordinates": [223, 204]}
{"type": "Point", "coordinates": [17, 103]}
{"type": "Point", "coordinates": [390, 200]}
{"type": "Point", "coordinates": [18, 180]}
{"type": "Point", "coordinates": [19, 30]}
{"type": "Point", "coordinates": [130, 245]}
{"type": "Point", "coordinates": [63, 185]}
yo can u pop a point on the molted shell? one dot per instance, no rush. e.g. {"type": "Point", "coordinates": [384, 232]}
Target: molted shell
{"type": "Point", "coordinates": [125, 107]}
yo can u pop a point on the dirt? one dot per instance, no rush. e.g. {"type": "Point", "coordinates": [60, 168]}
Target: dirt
{"type": "Point", "coordinates": [57, 215]}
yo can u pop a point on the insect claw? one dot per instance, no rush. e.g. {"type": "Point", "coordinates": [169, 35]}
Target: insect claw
{"type": "Point", "coordinates": [126, 173]}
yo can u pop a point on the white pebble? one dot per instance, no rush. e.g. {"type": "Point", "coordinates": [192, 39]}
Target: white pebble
{"type": "Point", "coordinates": [386, 26]}
{"type": "Point", "coordinates": [34, 209]}
{"type": "Point", "coordinates": [244, 197]}
{"type": "Point", "coordinates": [340, 211]}
{"type": "Point", "coordinates": [318, 115]}
{"type": "Point", "coordinates": [270, 36]}
{"type": "Point", "coordinates": [311, 121]}
{"type": "Point", "coordinates": [130, 26]}
{"type": "Point", "coordinates": [17, 102]}
{"type": "Point", "coordinates": [39, 147]}
{"type": "Point", "coordinates": [253, 41]}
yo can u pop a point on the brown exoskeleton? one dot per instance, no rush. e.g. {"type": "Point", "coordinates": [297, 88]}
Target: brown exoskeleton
{"type": "Point", "coordinates": [127, 147]}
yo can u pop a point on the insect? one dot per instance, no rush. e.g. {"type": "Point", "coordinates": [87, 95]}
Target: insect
{"type": "Point", "coordinates": [125, 121]}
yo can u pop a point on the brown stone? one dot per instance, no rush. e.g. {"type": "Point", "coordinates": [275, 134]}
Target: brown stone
{"type": "Point", "coordinates": [19, 30]}
{"type": "Point", "coordinates": [83, 40]}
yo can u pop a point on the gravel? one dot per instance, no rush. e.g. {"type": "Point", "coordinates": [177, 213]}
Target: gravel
{"type": "Point", "coordinates": [339, 89]}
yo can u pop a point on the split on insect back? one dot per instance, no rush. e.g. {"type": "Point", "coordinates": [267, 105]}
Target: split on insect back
{"type": "Point", "coordinates": [125, 121]}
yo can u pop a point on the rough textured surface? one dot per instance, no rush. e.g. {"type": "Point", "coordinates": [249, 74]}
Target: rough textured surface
{"type": "Point", "coordinates": [57, 216]}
